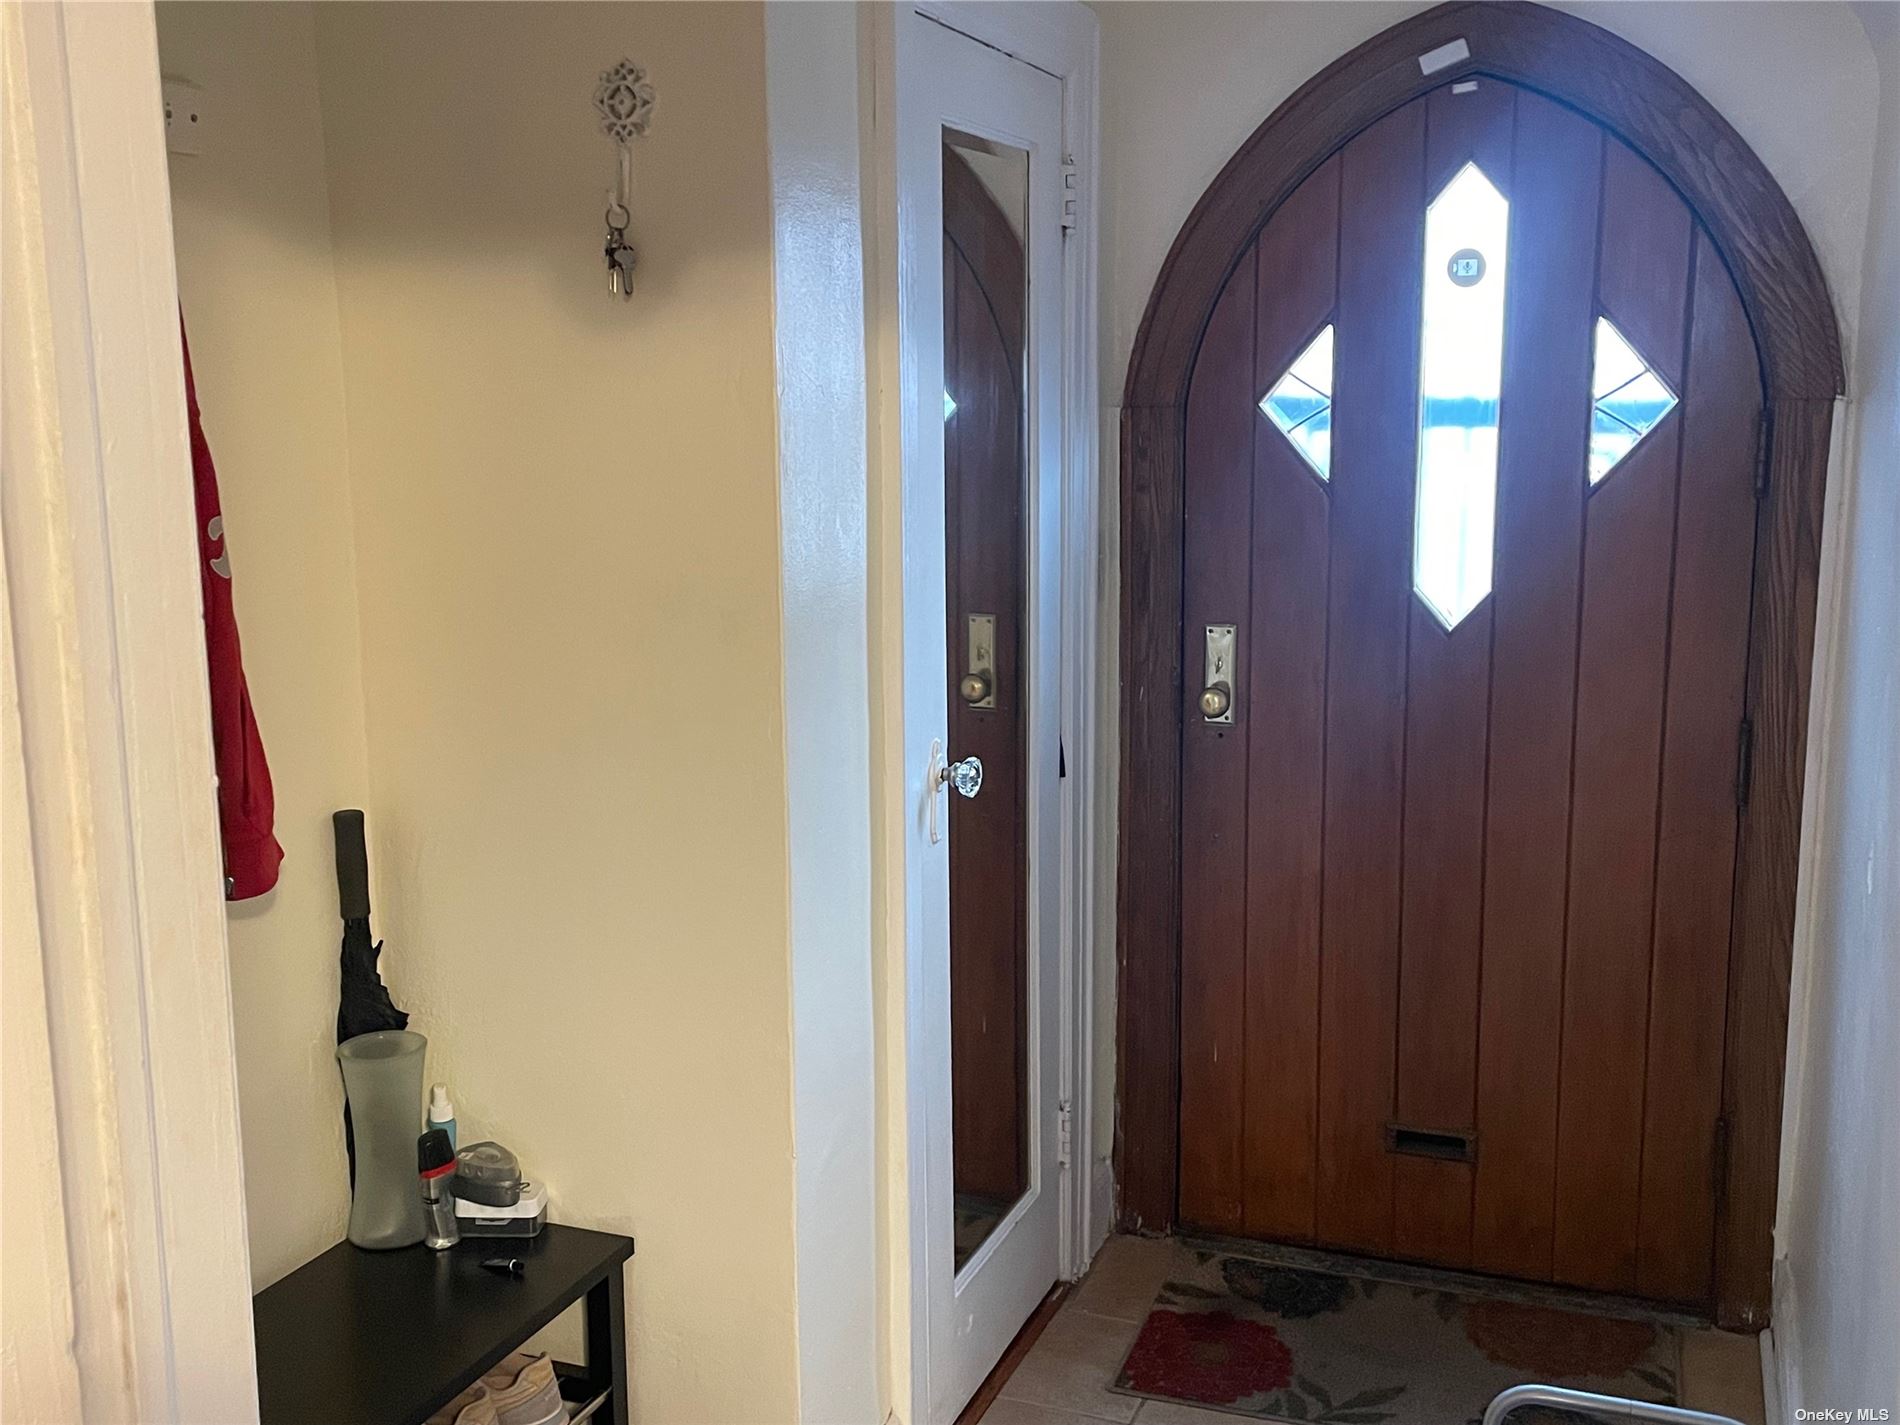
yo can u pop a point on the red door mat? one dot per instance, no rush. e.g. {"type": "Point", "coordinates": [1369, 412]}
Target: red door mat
{"type": "Point", "coordinates": [1280, 1343]}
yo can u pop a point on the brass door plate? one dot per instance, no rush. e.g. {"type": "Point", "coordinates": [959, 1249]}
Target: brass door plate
{"type": "Point", "coordinates": [1218, 671]}
{"type": "Point", "coordinates": [980, 660]}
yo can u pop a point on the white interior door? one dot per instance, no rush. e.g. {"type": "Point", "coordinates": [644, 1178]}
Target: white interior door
{"type": "Point", "coordinates": [980, 230]}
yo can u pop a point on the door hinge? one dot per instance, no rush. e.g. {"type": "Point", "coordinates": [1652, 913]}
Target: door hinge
{"type": "Point", "coordinates": [1744, 761]}
{"type": "Point", "coordinates": [1071, 191]}
{"type": "Point", "coordinates": [1065, 1133]}
{"type": "Point", "coordinates": [1764, 442]}
{"type": "Point", "coordinates": [1718, 1162]}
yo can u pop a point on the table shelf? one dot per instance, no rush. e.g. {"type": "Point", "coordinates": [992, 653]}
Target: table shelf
{"type": "Point", "coordinates": [388, 1338]}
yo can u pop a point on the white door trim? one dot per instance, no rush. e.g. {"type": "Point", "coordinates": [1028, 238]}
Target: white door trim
{"type": "Point", "coordinates": [1059, 37]}
{"type": "Point", "coordinates": [812, 118]}
{"type": "Point", "coordinates": [118, 804]}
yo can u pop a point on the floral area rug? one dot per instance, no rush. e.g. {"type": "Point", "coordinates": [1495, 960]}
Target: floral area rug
{"type": "Point", "coordinates": [1279, 1343]}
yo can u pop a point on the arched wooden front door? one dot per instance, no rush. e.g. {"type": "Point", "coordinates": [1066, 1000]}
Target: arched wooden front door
{"type": "Point", "coordinates": [1470, 471]}
{"type": "Point", "coordinates": [1473, 451]}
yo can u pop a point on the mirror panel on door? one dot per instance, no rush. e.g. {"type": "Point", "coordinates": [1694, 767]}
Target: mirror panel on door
{"type": "Point", "coordinates": [985, 212]}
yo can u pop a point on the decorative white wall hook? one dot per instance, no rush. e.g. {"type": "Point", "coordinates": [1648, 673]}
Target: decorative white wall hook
{"type": "Point", "coordinates": [624, 100]}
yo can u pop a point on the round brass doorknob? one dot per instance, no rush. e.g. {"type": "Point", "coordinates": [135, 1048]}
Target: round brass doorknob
{"type": "Point", "coordinates": [975, 687]}
{"type": "Point", "coordinates": [1216, 700]}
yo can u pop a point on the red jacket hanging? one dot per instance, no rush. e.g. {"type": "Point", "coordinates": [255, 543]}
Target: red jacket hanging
{"type": "Point", "coordinates": [246, 807]}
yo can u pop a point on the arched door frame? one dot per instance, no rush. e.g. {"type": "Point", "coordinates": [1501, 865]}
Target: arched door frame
{"type": "Point", "coordinates": [1755, 229]}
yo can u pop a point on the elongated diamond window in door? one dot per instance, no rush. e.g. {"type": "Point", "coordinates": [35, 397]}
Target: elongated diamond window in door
{"type": "Point", "coordinates": [1461, 363]}
{"type": "Point", "coordinates": [1301, 403]}
{"type": "Point", "coordinates": [1627, 399]}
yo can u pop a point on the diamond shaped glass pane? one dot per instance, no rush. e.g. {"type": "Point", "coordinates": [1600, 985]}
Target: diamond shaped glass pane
{"type": "Point", "coordinates": [1301, 403]}
{"type": "Point", "coordinates": [1461, 371]}
{"type": "Point", "coordinates": [1627, 400]}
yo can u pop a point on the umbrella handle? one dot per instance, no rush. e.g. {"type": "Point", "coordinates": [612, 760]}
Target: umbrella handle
{"type": "Point", "coordinates": [352, 865]}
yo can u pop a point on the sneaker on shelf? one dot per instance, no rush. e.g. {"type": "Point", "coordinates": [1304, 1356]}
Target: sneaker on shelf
{"type": "Point", "coordinates": [526, 1391]}
{"type": "Point", "coordinates": [474, 1406]}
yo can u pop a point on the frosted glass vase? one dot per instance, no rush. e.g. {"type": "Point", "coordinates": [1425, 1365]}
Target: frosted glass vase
{"type": "Point", "coordinates": [382, 1074]}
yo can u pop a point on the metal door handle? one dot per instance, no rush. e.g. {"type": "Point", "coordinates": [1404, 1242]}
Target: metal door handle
{"type": "Point", "coordinates": [975, 688]}
{"type": "Point", "coordinates": [966, 776]}
{"type": "Point", "coordinates": [1216, 699]}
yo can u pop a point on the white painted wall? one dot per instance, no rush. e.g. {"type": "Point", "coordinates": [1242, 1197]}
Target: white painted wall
{"type": "Point", "coordinates": [1224, 67]}
{"type": "Point", "coordinates": [812, 116]}
{"type": "Point", "coordinates": [257, 283]}
{"type": "Point", "coordinates": [1186, 81]}
{"type": "Point", "coordinates": [1837, 1277]}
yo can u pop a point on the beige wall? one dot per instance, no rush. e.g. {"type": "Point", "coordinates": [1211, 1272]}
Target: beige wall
{"type": "Point", "coordinates": [1837, 1323]}
{"type": "Point", "coordinates": [562, 512]}
{"type": "Point", "coordinates": [258, 289]}
{"type": "Point", "coordinates": [1222, 68]}
{"type": "Point", "coordinates": [567, 534]}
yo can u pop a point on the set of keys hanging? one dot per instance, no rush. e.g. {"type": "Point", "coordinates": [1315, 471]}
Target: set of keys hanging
{"type": "Point", "coordinates": [624, 100]}
{"type": "Point", "coordinates": [619, 251]}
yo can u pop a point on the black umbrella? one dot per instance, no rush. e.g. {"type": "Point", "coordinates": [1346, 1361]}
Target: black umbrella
{"type": "Point", "coordinates": [363, 1003]}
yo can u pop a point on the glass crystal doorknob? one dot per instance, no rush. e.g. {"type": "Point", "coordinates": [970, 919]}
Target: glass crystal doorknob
{"type": "Point", "coordinates": [966, 777]}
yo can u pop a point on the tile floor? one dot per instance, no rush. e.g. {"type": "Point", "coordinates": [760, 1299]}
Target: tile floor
{"type": "Point", "coordinates": [1064, 1378]}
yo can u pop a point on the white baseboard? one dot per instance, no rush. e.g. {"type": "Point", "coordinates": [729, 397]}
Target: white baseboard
{"type": "Point", "coordinates": [1780, 1371]}
{"type": "Point", "coordinates": [1101, 1203]}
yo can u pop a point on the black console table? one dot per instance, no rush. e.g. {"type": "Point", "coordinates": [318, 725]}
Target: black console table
{"type": "Point", "coordinates": [389, 1338]}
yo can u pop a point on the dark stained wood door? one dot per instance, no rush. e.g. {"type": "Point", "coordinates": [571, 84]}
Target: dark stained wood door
{"type": "Point", "coordinates": [1456, 889]}
{"type": "Point", "coordinates": [984, 478]}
